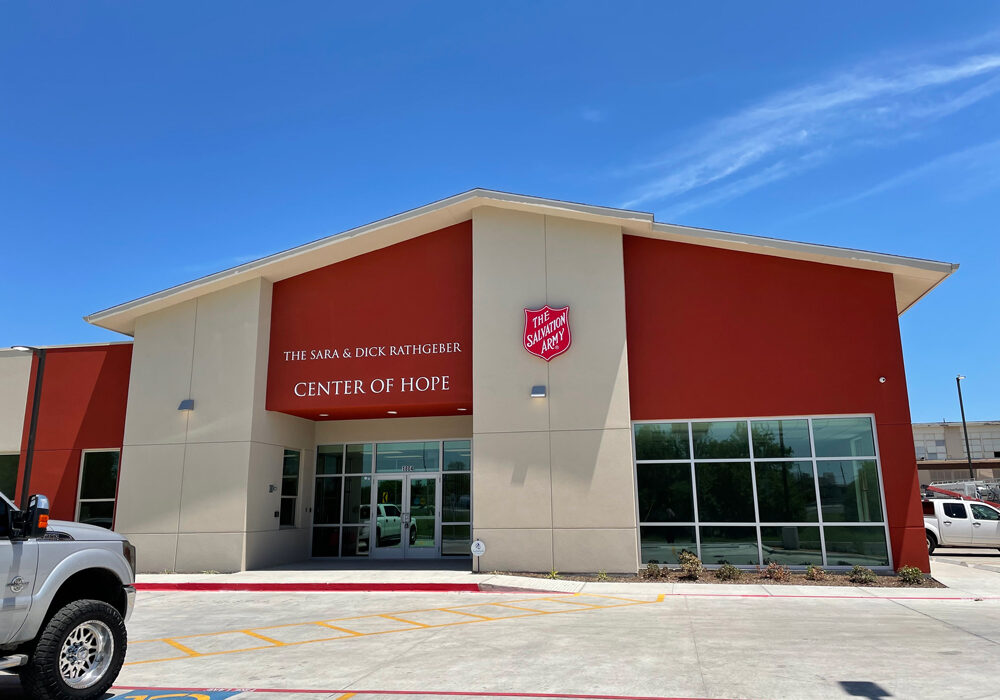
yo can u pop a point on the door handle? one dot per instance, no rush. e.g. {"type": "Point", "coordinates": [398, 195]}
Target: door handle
{"type": "Point", "coordinates": [947, 522]}
{"type": "Point", "coordinates": [977, 524]}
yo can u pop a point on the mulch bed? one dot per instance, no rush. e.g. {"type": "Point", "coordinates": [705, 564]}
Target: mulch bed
{"type": "Point", "coordinates": [795, 578]}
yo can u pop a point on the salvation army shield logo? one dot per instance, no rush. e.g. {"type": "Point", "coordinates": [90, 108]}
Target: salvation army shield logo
{"type": "Point", "coordinates": [546, 331]}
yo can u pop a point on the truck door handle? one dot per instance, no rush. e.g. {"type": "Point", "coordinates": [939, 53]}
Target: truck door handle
{"type": "Point", "coordinates": [947, 522]}
{"type": "Point", "coordinates": [976, 524]}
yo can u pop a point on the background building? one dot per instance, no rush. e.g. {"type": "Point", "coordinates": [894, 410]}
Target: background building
{"type": "Point", "coordinates": [941, 453]}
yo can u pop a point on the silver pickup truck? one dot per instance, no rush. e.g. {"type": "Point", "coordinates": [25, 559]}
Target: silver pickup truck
{"type": "Point", "coordinates": [67, 592]}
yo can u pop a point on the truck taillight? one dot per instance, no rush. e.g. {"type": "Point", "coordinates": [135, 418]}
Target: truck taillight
{"type": "Point", "coordinates": [128, 551]}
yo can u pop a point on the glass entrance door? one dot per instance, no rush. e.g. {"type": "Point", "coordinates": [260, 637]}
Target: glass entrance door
{"type": "Point", "coordinates": [406, 517]}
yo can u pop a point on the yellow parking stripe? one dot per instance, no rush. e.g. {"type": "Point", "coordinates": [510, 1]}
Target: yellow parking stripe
{"type": "Point", "coordinates": [408, 622]}
{"type": "Point", "coordinates": [179, 647]}
{"type": "Point", "coordinates": [266, 639]}
{"type": "Point", "coordinates": [272, 643]}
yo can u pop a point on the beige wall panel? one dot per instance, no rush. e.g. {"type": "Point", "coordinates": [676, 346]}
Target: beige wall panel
{"type": "Point", "coordinates": [511, 481]}
{"type": "Point", "coordinates": [588, 385]}
{"type": "Point", "coordinates": [382, 429]}
{"type": "Point", "coordinates": [15, 373]}
{"type": "Point", "coordinates": [266, 462]}
{"type": "Point", "coordinates": [161, 376]}
{"type": "Point", "coordinates": [149, 489]}
{"type": "Point", "coordinates": [588, 551]}
{"type": "Point", "coordinates": [265, 549]}
{"type": "Point", "coordinates": [225, 352]}
{"type": "Point", "coordinates": [211, 551]}
{"type": "Point", "coordinates": [270, 426]}
{"type": "Point", "coordinates": [516, 550]}
{"type": "Point", "coordinates": [154, 554]}
{"type": "Point", "coordinates": [214, 487]}
{"type": "Point", "coordinates": [592, 479]}
{"type": "Point", "coordinates": [508, 275]}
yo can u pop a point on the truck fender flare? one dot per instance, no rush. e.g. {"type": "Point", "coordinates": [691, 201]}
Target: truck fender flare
{"type": "Point", "coordinates": [67, 567]}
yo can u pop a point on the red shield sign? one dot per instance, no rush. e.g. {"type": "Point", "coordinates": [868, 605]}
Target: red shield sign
{"type": "Point", "coordinates": [546, 331]}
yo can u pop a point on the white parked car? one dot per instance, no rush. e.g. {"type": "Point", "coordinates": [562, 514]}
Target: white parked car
{"type": "Point", "coordinates": [951, 522]}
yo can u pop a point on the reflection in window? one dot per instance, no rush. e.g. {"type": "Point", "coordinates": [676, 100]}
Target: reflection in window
{"type": "Point", "coordinates": [98, 485]}
{"type": "Point", "coordinates": [786, 492]}
{"type": "Point", "coordinates": [729, 545]}
{"type": "Point", "coordinates": [665, 493]}
{"type": "Point", "coordinates": [791, 546]}
{"type": "Point", "coordinates": [843, 437]}
{"type": "Point", "coordinates": [849, 492]}
{"type": "Point", "coordinates": [847, 546]}
{"type": "Point", "coordinates": [664, 544]}
{"type": "Point", "coordinates": [662, 441]}
{"type": "Point", "coordinates": [407, 457]}
{"type": "Point", "coordinates": [980, 512]}
{"type": "Point", "coordinates": [8, 474]}
{"type": "Point", "coordinates": [780, 438]}
{"type": "Point", "coordinates": [289, 488]}
{"type": "Point", "coordinates": [771, 488]}
{"type": "Point", "coordinates": [725, 493]}
{"type": "Point", "coordinates": [720, 440]}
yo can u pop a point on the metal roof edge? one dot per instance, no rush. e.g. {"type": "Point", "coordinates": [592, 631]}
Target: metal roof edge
{"type": "Point", "coordinates": [781, 244]}
{"type": "Point", "coordinates": [469, 196]}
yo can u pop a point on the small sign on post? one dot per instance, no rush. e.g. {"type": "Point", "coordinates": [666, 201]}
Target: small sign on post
{"type": "Point", "coordinates": [478, 549]}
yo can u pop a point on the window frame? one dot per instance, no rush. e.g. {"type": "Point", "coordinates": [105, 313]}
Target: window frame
{"type": "Point", "coordinates": [79, 484]}
{"type": "Point", "coordinates": [296, 517]}
{"type": "Point", "coordinates": [17, 471]}
{"type": "Point", "coordinates": [374, 475]}
{"type": "Point", "coordinates": [697, 523]}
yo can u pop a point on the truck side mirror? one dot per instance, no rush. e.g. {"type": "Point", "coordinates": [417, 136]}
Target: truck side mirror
{"type": "Point", "coordinates": [38, 516]}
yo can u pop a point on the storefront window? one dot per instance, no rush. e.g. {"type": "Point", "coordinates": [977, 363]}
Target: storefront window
{"type": "Point", "coordinates": [796, 491]}
{"type": "Point", "coordinates": [408, 457]}
{"type": "Point", "coordinates": [786, 492]}
{"type": "Point", "coordinates": [720, 440]}
{"type": "Point", "coordinates": [662, 441]}
{"type": "Point", "coordinates": [289, 488]}
{"type": "Point", "coordinates": [98, 486]}
{"type": "Point", "coordinates": [665, 494]}
{"type": "Point", "coordinates": [343, 501]}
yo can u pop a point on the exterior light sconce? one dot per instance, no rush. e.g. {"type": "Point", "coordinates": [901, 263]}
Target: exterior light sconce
{"type": "Point", "coordinates": [186, 405]}
{"type": "Point", "coordinates": [538, 391]}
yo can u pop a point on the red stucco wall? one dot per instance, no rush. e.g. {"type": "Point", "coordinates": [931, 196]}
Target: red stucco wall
{"type": "Point", "coordinates": [716, 333]}
{"type": "Point", "coordinates": [84, 393]}
{"type": "Point", "coordinates": [418, 292]}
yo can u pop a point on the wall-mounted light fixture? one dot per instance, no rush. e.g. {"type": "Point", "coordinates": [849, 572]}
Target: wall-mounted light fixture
{"type": "Point", "coordinates": [186, 405]}
{"type": "Point", "coordinates": [538, 391]}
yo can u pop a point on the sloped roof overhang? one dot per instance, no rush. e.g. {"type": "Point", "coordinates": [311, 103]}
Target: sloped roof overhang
{"type": "Point", "coordinates": [913, 277]}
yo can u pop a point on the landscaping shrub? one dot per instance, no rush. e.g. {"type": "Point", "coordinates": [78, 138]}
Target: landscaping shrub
{"type": "Point", "coordinates": [776, 572]}
{"type": "Point", "coordinates": [815, 573]}
{"type": "Point", "coordinates": [652, 571]}
{"type": "Point", "coordinates": [553, 574]}
{"type": "Point", "coordinates": [728, 572]}
{"type": "Point", "coordinates": [602, 575]}
{"type": "Point", "coordinates": [691, 566]}
{"type": "Point", "coordinates": [910, 575]}
{"type": "Point", "coordinates": [862, 574]}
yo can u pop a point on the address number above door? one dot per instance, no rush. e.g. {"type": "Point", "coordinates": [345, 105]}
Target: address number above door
{"type": "Point", "coordinates": [546, 331]}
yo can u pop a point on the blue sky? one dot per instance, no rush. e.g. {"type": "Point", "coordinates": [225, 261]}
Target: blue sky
{"type": "Point", "coordinates": [145, 144]}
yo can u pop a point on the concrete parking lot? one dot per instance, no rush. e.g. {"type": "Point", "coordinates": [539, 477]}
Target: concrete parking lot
{"type": "Point", "coordinates": [893, 643]}
{"type": "Point", "coordinates": [598, 640]}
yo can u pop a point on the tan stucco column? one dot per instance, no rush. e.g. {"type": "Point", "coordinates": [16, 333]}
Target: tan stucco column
{"type": "Point", "coordinates": [553, 478]}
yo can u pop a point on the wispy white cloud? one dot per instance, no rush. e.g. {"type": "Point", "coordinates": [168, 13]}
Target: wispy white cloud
{"type": "Point", "coordinates": [975, 170]}
{"type": "Point", "coordinates": [795, 130]}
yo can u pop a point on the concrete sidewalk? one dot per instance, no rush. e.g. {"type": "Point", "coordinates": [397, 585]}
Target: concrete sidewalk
{"type": "Point", "coordinates": [962, 581]}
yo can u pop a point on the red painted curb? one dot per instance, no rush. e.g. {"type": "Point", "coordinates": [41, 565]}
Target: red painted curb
{"type": "Point", "coordinates": [442, 693]}
{"type": "Point", "coordinates": [303, 587]}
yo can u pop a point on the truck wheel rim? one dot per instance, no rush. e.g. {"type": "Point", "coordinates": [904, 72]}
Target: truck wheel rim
{"type": "Point", "coordinates": [86, 654]}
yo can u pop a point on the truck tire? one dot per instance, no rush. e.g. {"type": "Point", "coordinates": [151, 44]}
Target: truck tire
{"type": "Point", "coordinates": [79, 653]}
{"type": "Point", "coordinates": [931, 543]}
